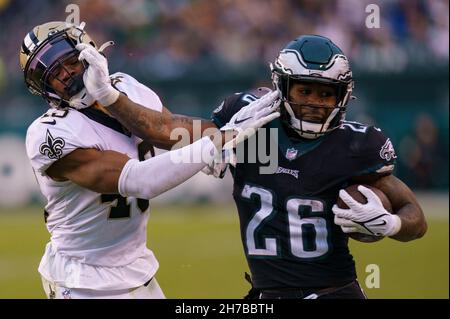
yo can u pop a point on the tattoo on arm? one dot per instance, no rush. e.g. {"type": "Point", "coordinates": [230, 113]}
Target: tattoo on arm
{"type": "Point", "coordinates": [154, 126]}
{"type": "Point", "coordinates": [182, 121]}
{"type": "Point", "coordinates": [141, 121]}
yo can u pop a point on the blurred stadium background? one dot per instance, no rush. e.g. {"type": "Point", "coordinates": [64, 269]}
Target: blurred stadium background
{"type": "Point", "coordinates": [193, 53]}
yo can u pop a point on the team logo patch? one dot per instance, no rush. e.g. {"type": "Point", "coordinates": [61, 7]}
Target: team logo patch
{"type": "Point", "coordinates": [291, 154]}
{"type": "Point", "coordinates": [52, 147]}
{"type": "Point", "coordinates": [387, 151]}
{"type": "Point", "coordinates": [282, 170]}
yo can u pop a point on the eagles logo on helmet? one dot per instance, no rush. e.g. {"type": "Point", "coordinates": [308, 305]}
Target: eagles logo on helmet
{"type": "Point", "coordinates": [312, 59]}
{"type": "Point", "coordinates": [43, 51]}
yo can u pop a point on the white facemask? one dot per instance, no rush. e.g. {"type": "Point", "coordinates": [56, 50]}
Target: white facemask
{"type": "Point", "coordinates": [307, 129]}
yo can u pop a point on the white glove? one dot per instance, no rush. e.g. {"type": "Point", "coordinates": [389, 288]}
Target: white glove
{"type": "Point", "coordinates": [370, 218]}
{"type": "Point", "coordinates": [251, 117]}
{"type": "Point", "coordinates": [96, 77]}
{"type": "Point", "coordinates": [81, 100]}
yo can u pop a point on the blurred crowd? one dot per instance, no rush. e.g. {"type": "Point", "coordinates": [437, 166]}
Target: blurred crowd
{"type": "Point", "coordinates": [166, 34]}
{"type": "Point", "coordinates": [172, 39]}
{"type": "Point", "coordinates": [424, 160]}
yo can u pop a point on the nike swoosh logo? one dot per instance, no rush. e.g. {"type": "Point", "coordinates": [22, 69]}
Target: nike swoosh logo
{"type": "Point", "coordinates": [243, 120]}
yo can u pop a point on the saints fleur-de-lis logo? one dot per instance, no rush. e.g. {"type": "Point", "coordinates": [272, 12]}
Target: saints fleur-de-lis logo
{"type": "Point", "coordinates": [52, 147]}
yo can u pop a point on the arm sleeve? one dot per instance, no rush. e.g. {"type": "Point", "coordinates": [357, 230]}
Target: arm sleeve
{"type": "Point", "coordinates": [158, 174]}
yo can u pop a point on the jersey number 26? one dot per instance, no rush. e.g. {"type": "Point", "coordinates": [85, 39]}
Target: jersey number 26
{"type": "Point", "coordinates": [307, 235]}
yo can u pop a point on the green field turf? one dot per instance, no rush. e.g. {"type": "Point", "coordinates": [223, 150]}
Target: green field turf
{"type": "Point", "coordinates": [201, 256]}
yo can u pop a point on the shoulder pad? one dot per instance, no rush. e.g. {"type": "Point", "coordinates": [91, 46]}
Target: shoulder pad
{"type": "Point", "coordinates": [53, 136]}
{"type": "Point", "coordinates": [371, 147]}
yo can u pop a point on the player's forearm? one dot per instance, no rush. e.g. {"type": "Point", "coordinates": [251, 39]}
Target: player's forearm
{"type": "Point", "coordinates": [148, 124]}
{"type": "Point", "coordinates": [185, 130]}
{"type": "Point", "coordinates": [413, 223]}
{"type": "Point", "coordinates": [158, 127]}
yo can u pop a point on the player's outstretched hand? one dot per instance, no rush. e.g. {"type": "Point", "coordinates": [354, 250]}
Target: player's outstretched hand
{"type": "Point", "coordinates": [370, 218]}
{"type": "Point", "coordinates": [251, 117]}
{"type": "Point", "coordinates": [96, 77]}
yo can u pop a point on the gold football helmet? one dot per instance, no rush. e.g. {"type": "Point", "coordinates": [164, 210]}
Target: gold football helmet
{"type": "Point", "coordinates": [44, 49]}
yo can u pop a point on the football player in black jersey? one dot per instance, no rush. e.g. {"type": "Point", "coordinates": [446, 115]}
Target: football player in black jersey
{"type": "Point", "coordinates": [294, 235]}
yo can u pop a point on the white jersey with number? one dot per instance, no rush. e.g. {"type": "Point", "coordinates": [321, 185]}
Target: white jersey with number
{"type": "Point", "coordinates": [98, 241]}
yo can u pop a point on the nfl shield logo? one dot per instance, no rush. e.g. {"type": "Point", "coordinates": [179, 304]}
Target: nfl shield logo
{"type": "Point", "coordinates": [291, 154]}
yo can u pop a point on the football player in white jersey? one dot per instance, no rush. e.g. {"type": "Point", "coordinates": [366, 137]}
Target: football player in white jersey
{"type": "Point", "coordinates": [95, 174]}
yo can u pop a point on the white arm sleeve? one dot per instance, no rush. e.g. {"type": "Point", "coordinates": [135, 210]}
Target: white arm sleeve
{"type": "Point", "coordinates": [158, 174]}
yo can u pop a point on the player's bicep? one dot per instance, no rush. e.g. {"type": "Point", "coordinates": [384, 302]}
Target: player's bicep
{"type": "Point", "coordinates": [96, 170]}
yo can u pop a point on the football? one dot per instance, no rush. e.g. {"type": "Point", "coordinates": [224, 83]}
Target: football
{"type": "Point", "coordinates": [352, 190]}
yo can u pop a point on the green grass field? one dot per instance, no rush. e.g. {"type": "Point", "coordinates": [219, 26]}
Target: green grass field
{"type": "Point", "coordinates": [201, 255]}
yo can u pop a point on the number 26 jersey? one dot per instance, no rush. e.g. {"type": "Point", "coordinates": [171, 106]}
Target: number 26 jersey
{"type": "Point", "coordinates": [287, 225]}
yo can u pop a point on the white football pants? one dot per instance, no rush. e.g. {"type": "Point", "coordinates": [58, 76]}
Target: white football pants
{"type": "Point", "coordinates": [151, 291]}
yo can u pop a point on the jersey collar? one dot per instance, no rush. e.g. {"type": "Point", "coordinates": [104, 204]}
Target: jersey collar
{"type": "Point", "coordinates": [294, 148]}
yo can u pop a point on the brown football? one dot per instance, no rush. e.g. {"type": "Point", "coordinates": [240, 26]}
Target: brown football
{"type": "Point", "coordinates": [352, 190]}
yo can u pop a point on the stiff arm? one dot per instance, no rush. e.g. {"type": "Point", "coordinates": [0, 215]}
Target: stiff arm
{"type": "Point", "coordinates": [156, 127]}
{"type": "Point", "coordinates": [110, 172]}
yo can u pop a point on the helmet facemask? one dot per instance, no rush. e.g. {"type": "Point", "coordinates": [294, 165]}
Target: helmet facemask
{"type": "Point", "coordinates": [73, 84]}
{"type": "Point", "coordinates": [309, 128]}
